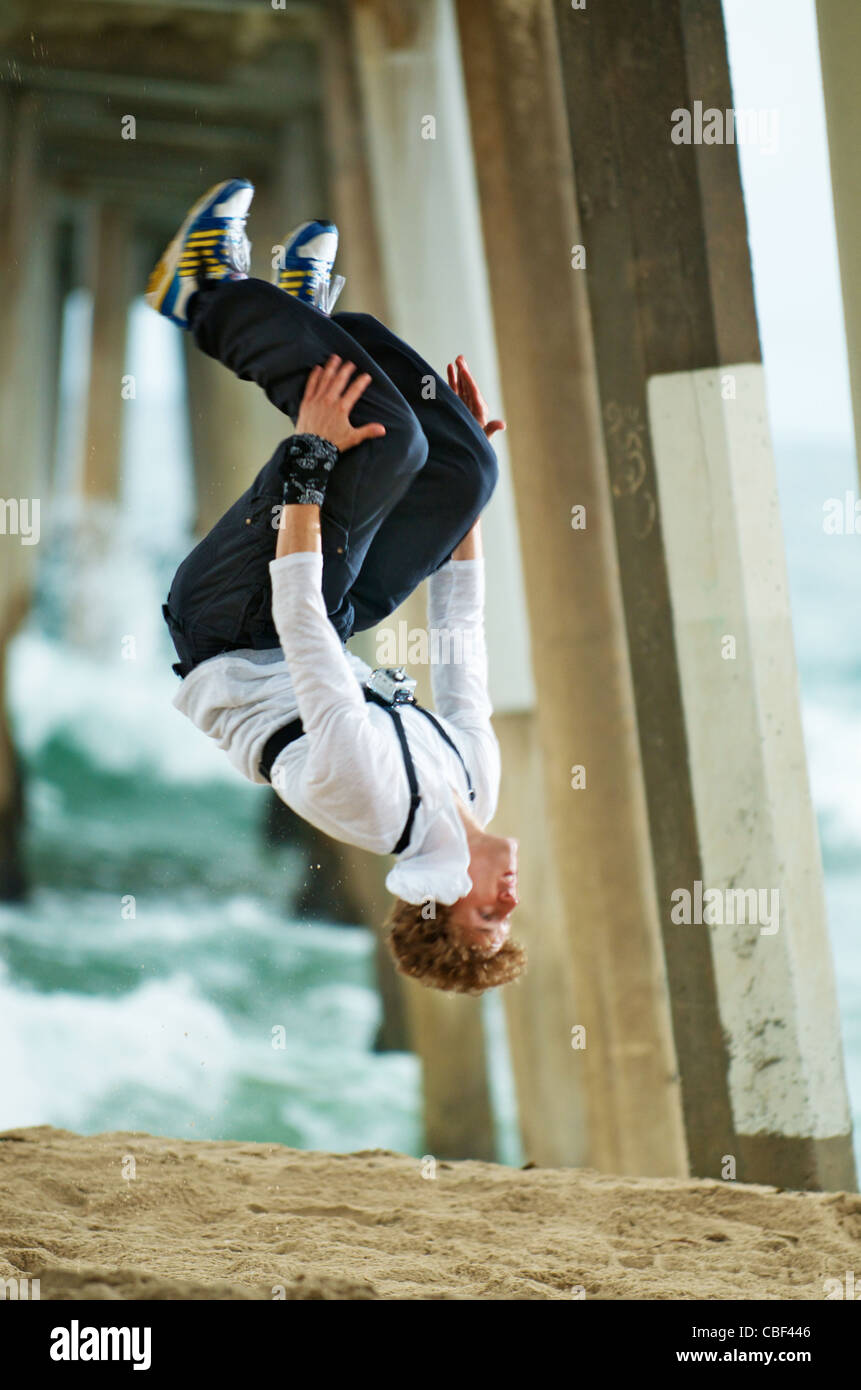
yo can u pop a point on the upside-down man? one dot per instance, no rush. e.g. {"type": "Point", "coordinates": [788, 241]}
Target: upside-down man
{"type": "Point", "coordinates": [380, 486]}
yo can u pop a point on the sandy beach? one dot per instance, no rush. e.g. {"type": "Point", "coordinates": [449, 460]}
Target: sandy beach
{"type": "Point", "coordinates": [122, 1216]}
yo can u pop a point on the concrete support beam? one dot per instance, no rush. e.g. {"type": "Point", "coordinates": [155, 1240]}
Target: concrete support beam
{"type": "Point", "coordinates": [349, 174]}
{"type": "Point", "coordinates": [540, 1010]}
{"type": "Point", "coordinates": [297, 189]}
{"type": "Point", "coordinates": [695, 513]}
{"type": "Point", "coordinates": [111, 281]}
{"type": "Point", "coordinates": [840, 55]}
{"type": "Point", "coordinates": [447, 1033]}
{"type": "Point", "coordinates": [13, 877]}
{"type": "Point", "coordinates": [26, 362]}
{"type": "Point", "coordinates": [598, 835]}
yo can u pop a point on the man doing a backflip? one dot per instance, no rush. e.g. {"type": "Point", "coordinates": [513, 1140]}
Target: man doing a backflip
{"type": "Point", "coordinates": [380, 486]}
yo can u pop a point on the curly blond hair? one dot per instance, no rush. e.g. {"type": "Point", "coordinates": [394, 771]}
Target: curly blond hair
{"type": "Point", "coordinates": [426, 950]}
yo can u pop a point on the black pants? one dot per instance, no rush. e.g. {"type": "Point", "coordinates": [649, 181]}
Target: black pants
{"type": "Point", "coordinates": [395, 508]}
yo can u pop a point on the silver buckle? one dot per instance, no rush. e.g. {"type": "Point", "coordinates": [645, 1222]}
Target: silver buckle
{"type": "Point", "coordinates": [393, 685]}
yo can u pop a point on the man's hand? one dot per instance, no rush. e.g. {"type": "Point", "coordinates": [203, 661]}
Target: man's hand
{"type": "Point", "coordinates": [329, 397]}
{"type": "Point", "coordinates": [463, 383]}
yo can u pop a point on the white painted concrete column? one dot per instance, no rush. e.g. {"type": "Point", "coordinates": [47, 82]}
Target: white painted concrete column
{"type": "Point", "coordinates": [733, 632]}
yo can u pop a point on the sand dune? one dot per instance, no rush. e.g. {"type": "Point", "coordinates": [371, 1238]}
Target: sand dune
{"type": "Point", "coordinates": [239, 1221]}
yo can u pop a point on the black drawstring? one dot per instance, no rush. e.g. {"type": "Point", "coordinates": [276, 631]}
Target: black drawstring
{"type": "Point", "coordinates": [415, 794]}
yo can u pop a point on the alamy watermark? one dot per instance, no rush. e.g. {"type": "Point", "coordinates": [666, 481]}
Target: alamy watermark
{"type": "Point", "coordinates": [842, 1288]}
{"type": "Point", "coordinates": [418, 646]}
{"type": "Point", "coordinates": [726, 907]}
{"type": "Point", "coordinates": [19, 1290]}
{"type": "Point", "coordinates": [20, 516]}
{"type": "Point", "coordinates": [842, 516]}
{"type": "Point", "coordinates": [711, 126]}
{"type": "Point", "coordinates": [77, 1343]}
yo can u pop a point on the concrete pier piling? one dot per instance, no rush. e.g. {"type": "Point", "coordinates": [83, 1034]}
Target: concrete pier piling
{"type": "Point", "coordinates": [597, 834]}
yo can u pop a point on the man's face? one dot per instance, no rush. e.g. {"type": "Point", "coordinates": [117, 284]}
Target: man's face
{"type": "Point", "coordinates": [482, 917]}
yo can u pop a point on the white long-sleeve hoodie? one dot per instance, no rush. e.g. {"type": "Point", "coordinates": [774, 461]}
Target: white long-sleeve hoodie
{"type": "Point", "coordinates": [346, 775]}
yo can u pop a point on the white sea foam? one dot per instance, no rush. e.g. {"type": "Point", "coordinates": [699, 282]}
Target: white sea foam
{"type": "Point", "coordinates": [84, 924]}
{"type": "Point", "coordinates": [63, 1052]}
{"type": "Point", "coordinates": [119, 714]}
{"type": "Point", "coordinates": [190, 1048]}
{"type": "Point", "coordinates": [833, 739]}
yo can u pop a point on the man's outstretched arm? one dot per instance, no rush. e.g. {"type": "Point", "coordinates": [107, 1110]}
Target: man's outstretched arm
{"type": "Point", "coordinates": [456, 621]}
{"type": "Point", "coordinates": [464, 385]}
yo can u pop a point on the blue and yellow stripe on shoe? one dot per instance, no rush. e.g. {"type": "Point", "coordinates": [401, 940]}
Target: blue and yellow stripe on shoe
{"type": "Point", "coordinates": [302, 265]}
{"type": "Point", "coordinates": [210, 245]}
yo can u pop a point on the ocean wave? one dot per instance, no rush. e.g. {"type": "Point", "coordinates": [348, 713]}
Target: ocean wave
{"type": "Point", "coordinates": [832, 734]}
{"type": "Point", "coordinates": [118, 713]}
{"type": "Point", "coordinates": [248, 1028]}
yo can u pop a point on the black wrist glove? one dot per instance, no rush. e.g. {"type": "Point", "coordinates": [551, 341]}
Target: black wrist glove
{"type": "Point", "coordinates": [305, 466]}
